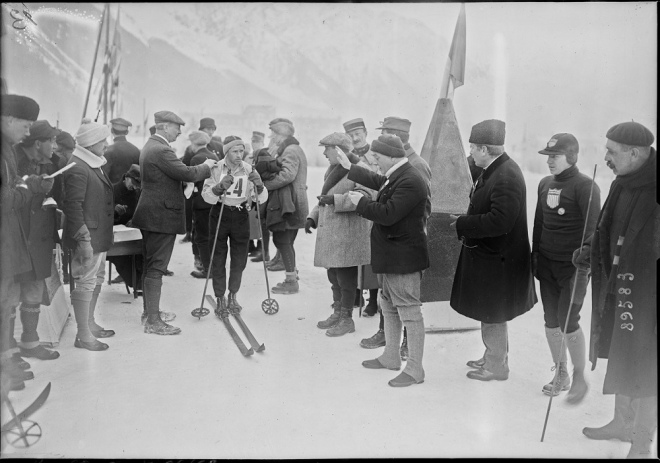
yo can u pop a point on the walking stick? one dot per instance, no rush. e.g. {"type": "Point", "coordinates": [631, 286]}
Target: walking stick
{"type": "Point", "coordinates": [269, 306]}
{"type": "Point", "coordinates": [201, 311]}
{"type": "Point", "coordinates": [570, 306]}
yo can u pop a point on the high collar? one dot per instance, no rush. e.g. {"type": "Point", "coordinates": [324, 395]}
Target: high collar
{"type": "Point", "coordinates": [498, 161]}
{"type": "Point", "coordinates": [568, 173]}
{"type": "Point", "coordinates": [89, 158]}
{"type": "Point", "coordinates": [362, 151]}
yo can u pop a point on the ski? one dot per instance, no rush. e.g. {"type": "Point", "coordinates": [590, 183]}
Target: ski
{"type": "Point", "coordinates": [248, 334]}
{"type": "Point", "coordinates": [33, 407]}
{"type": "Point", "coordinates": [232, 332]}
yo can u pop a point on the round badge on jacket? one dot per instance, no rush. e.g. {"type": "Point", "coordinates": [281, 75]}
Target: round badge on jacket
{"type": "Point", "coordinates": [561, 211]}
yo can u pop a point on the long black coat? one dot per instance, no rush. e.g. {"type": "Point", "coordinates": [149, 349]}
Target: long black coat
{"type": "Point", "coordinates": [398, 241]}
{"type": "Point", "coordinates": [493, 281]}
{"type": "Point", "coordinates": [120, 156]}
{"type": "Point", "coordinates": [161, 204]}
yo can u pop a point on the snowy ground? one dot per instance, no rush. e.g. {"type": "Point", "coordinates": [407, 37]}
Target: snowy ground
{"type": "Point", "coordinates": [306, 396]}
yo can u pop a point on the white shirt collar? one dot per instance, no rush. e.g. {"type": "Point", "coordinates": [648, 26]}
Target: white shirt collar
{"type": "Point", "coordinates": [159, 135]}
{"type": "Point", "coordinates": [395, 167]}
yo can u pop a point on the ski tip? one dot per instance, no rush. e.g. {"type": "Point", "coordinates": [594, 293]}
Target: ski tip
{"type": "Point", "coordinates": [261, 348]}
{"type": "Point", "coordinates": [249, 352]}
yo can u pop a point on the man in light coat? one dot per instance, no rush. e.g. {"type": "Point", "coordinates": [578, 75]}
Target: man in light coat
{"type": "Point", "coordinates": [160, 213]}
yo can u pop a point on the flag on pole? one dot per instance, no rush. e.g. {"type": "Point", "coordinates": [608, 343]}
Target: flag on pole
{"type": "Point", "coordinates": [114, 62]}
{"type": "Point", "coordinates": [455, 70]}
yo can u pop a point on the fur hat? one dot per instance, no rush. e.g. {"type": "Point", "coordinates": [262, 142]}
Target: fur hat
{"type": "Point", "coordinates": [388, 145]}
{"type": "Point", "coordinates": [282, 127]}
{"type": "Point", "coordinates": [631, 133]}
{"type": "Point", "coordinates": [90, 133]}
{"type": "Point", "coordinates": [563, 143]}
{"type": "Point", "coordinates": [207, 123]}
{"type": "Point", "coordinates": [489, 132]}
{"type": "Point", "coordinates": [20, 107]}
{"type": "Point", "coordinates": [198, 137]}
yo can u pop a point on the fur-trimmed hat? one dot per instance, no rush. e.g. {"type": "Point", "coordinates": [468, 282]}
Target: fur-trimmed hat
{"type": "Point", "coordinates": [489, 132]}
{"type": "Point", "coordinates": [282, 127]}
{"type": "Point", "coordinates": [563, 143]}
{"type": "Point", "coordinates": [388, 145]}
{"type": "Point", "coordinates": [20, 107]}
{"type": "Point", "coordinates": [90, 133]}
{"type": "Point", "coordinates": [631, 133]}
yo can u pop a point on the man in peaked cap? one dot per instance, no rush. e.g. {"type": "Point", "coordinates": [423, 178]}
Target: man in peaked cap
{"type": "Point", "coordinates": [564, 199]}
{"type": "Point", "coordinates": [18, 114]}
{"type": "Point", "coordinates": [622, 254]}
{"type": "Point", "coordinates": [122, 154]}
{"type": "Point", "coordinates": [398, 210]}
{"type": "Point", "coordinates": [493, 281]}
{"type": "Point", "coordinates": [160, 213]}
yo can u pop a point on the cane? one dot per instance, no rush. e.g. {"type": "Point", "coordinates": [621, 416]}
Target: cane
{"type": "Point", "coordinates": [570, 305]}
{"type": "Point", "coordinates": [269, 306]}
{"type": "Point", "coordinates": [201, 311]}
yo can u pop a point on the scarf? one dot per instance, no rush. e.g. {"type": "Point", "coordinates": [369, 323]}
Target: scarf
{"type": "Point", "coordinates": [336, 172]}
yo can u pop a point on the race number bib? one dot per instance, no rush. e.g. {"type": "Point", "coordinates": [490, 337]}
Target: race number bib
{"type": "Point", "coordinates": [238, 188]}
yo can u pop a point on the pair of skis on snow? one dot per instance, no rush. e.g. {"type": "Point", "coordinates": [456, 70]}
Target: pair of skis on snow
{"type": "Point", "coordinates": [224, 316]}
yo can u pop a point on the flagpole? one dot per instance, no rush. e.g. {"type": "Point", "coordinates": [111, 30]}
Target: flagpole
{"type": "Point", "coordinates": [91, 75]}
{"type": "Point", "coordinates": [106, 69]}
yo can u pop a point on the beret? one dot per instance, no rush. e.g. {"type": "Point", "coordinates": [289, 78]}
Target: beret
{"type": "Point", "coordinates": [134, 172]}
{"type": "Point", "coordinates": [282, 126]}
{"type": "Point", "coordinates": [66, 140]}
{"type": "Point", "coordinates": [41, 130]}
{"type": "Point", "coordinates": [395, 123]}
{"type": "Point", "coordinates": [354, 124]}
{"type": "Point", "coordinates": [120, 123]}
{"type": "Point", "coordinates": [631, 133]}
{"type": "Point", "coordinates": [337, 139]}
{"type": "Point", "coordinates": [20, 107]}
{"type": "Point", "coordinates": [230, 142]}
{"type": "Point", "coordinates": [198, 137]}
{"type": "Point", "coordinates": [90, 133]}
{"type": "Point", "coordinates": [388, 145]}
{"type": "Point", "coordinates": [168, 116]}
{"type": "Point", "coordinates": [489, 132]}
{"type": "Point", "coordinates": [207, 123]}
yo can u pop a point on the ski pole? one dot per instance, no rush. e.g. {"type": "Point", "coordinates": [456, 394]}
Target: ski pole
{"type": "Point", "coordinates": [269, 306]}
{"type": "Point", "coordinates": [570, 306]}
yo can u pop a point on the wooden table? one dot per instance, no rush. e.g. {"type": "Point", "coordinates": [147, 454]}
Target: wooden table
{"type": "Point", "coordinates": [127, 242]}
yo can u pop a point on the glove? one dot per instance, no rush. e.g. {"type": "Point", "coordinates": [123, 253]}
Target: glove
{"type": "Point", "coordinates": [85, 251]}
{"type": "Point", "coordinates": [309, 224]}
{"type": "Point", "coordinates": [210, 162]}
{"type": "Point", "coordinates": [535, 264]}
{"type": "Point", "coordinates": [325, 200]}
{"type": "Point", "coordinates": [38, 184]}
{"type": "Point", "coordinates": [582, 257]}
{"type": "Point", "coordinates": [255, 178]}
{"type": "Point", "coordinates": [222, 186]}
{"type": "Point", "coordinates": [120, 209]}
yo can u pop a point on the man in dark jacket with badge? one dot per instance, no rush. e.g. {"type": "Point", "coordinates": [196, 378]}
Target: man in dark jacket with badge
{"type": "Point", "coordinates": [623, 255]}
{"type": "Point", "coordinates": [399, 251]}
{"type": "Point", "coordinates": [493, 281]}
{"type": "Point", "coordinates": [122, 154]}
{"type": "Point", "coordinates": [160, 211]}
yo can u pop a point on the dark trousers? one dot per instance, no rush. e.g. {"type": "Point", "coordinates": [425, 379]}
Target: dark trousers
{"type": "Point", "coordinates": [344, 285]}
{"type": "Point", "coordinates": [283, 241]}
{"type": "Point", "coordinates": [157, 251]}
{"type": "Point", "coordinates": [235, 226]}
{"type": "Point", "coordinates": [203, 236]}
{"type": "Point", "coordinates": [556, 281]}
{"type": "Point", "coordinates": [124, 266]}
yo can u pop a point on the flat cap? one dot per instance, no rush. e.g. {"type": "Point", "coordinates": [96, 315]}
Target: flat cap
{"type": "Point", "coordinates": [561, 143]}
{"type": "Point", "coordinates": [65, 139]}
{"type": "Point", "coordinates": [337, 139]}
{"type": "Point", "coordinates": [134, 173]}
{"type": "Point", "coordinates": [395, 123]}
{"type": "Point", "coordinates": [256, 134]}
{"type": "Point", "coordinates": [489, 132]}
{"type": "Point", "coordinates": [207, 123]}
{"type": "Point", "coordinates": [120, 123]}
{"type": "Point", "coordinates": [20, 107]}
{"type": "Point", "coordinates": [168, 116]}
{"type": "Point", "coordinates": [354, 124]}
{"type": "Point", "coordinates": [41, 130]}
{"type": "Point", "coordinates": [631, 133]}
{"type": "Point", "coordinates": [197, 137]}
{"type": "Point", "coordinates": [388, 145]}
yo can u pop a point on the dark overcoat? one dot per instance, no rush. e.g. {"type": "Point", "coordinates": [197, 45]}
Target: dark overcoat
{"type": "Point", "coordinates": [493, 281]}
{"type": "Point", "coordinates": [198, 158]}
{"type": "Point", "coordinates": [398, 241]}
{"type": "Point", "coordinates": [38, 223]}
{"type": "Point", "coordinates": [120, 156]}
{"type": "Point", "coordinates": [88, 201]}
{"type": "Point", "coordinates": [161, 205]}
{"type": "Point", "coordinates": [624, 328]}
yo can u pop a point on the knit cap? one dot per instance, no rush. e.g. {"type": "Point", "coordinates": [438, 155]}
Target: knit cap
{"type": "Point", "coordinates": [90, 133]}
{"type": "Point", "coordinates": [230, 142]}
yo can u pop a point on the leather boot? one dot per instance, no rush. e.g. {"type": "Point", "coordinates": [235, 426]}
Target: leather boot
{"type": "Point", "coordinates": [344, 325]}
{"type": "Point", "coordinates": [153, 323]}
{"type": "Point", "coordinates": [290, 285]}
{"type": "Point", "coordinates": [646, 421]}
{"type": "Point", "coordinates": [377, 340]}
{"type": "Point", "coordinates": [232, 304]}
{"type": "Point", "coordinates": [563, 380]}
{"type": "Point", "coordinates": [621, 425]}
{"type": "Point", "coordinates": [333, 319]}
{"type": "Point", "coordinates": [577, 349]}
{"type": "Point", "coordinates": [221, 307]}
